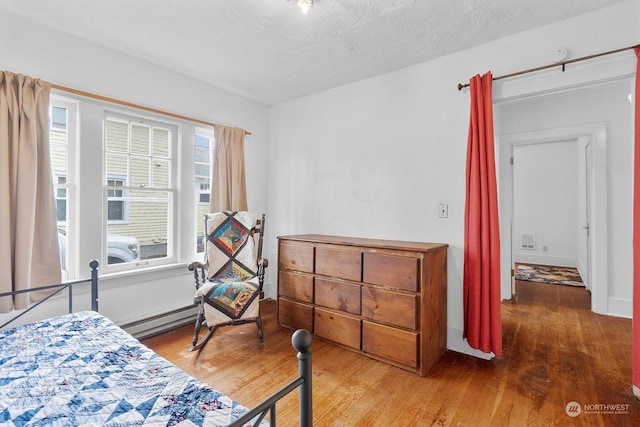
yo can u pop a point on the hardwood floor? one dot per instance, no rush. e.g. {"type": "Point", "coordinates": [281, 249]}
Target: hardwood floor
{"type": "Point", "coordinates": [555, 351]}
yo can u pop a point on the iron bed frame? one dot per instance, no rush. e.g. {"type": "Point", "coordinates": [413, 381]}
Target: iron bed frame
{"type": "Point", "coordinates": [300, 340]}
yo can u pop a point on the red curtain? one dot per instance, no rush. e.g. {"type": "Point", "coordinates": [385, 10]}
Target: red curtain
{"type": "Point", "coordinates": [481, 283]}
{"type": "Point", "coordinates": [636, 231]}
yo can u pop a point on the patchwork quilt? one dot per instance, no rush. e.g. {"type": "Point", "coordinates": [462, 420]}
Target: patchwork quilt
{"type": "Point", "coordinates": [232, 257]}
{"type": "Point", "coordinates": [83, 370]}
{"type": "Point", "coordinates": [231, 251]}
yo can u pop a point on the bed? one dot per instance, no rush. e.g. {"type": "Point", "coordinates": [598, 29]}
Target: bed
{"type": "Point", "coordinates": [81, 369]}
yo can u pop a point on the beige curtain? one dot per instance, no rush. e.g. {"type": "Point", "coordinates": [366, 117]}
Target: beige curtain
{"type": "Point", "coordinates": [29, 253]}
{"type": "Point", "coordinates": [228, 187]}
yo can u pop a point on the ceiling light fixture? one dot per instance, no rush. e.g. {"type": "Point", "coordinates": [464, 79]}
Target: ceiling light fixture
{"type": "Point", "coordinates": [305, 5]}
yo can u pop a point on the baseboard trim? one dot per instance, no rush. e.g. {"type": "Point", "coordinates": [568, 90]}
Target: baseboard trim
{"type": "Point", "coordinates": [161, 323]}
{"type": "Point", "coordinates": [560, 261]}
{"type": "Point", "coordinates": [456, 343]}
{"type": "Point", "coordinates": [620, 307]}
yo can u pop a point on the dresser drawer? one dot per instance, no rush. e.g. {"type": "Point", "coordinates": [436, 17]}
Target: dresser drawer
{"type": "Point", "coordinates": [393, 308]}
{"type": "Point", "coordinates": [338, 295]}
{"type": "Point", "coordinates": [337, 327]}
{"type": "Point", "coordinates": [295, 286]}
{"type": "Point", "coordinates": [393, 271]}
{"type": "Point", "coordinates": [391, 344]}
{"type": "Point", "coordinates": [295, 315]}
{"type": "Point", "coordinates": [343, 263]}
{"type": "Point", "coordinates": [295, 256]}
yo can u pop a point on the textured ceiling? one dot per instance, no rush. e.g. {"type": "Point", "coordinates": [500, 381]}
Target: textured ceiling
{"type": "Point", "coordinates": [267, 50]}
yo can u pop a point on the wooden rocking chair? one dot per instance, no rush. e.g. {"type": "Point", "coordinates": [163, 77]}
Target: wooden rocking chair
{"type": "Point", "coordinates": [229, 282]}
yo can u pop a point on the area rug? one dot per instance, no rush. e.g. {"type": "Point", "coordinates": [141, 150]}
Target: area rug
{"type": "Point", "coordinates": [549, 274]}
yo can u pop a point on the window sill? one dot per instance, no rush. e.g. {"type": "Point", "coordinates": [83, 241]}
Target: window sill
{"type": "Point", "coordinates": [145, 274]}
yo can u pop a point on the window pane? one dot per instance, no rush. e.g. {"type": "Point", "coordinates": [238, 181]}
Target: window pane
{"type": "Point", "coordinates": [61, 210]}
{"type": "Point", "coordinates": [61, 200]}
{"type": "Point", "coordinates": [140, 171]}
{"type": "Point", "coordinates": [140, 137]}
{"type": "Point", "coordinates": [202, 145]}
{"type": "Point", "coordinates": [58, 145]}
{"type": "Point", "coordinates": [116, 207]}
{"type": "Point", "coordinates": [117, 136]}
{"type": "Point", "coordinates": [147, 226]}
{"type": "Point", "coordinates": [138, 216]}
{"type": "Point", "coordinates": [116, 164]}
{"type": "Point", "coordinates": [116, 210]}
{"type": "Point", "coordinates": [160, 142]}
{"type": "Point", "coordinates": [202, 151]}
{"type": "Point", "coordinates": [59, 118]}
{"type": "Point", "coordinates": [160, 174]}
{"type": "Point", "coordinates": [202, 170]}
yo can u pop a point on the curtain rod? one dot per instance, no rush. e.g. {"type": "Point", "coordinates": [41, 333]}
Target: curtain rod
{"type": "Point", "coordinates": [559, 64]}
{"type": "Point", "coordinates": [132, 105]}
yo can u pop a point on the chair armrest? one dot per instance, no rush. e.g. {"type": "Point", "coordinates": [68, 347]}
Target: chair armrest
{"type": "Point", "coordinates": [196, 264]}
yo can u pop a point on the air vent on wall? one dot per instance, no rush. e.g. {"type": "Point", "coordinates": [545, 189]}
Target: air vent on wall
{"type": "Point", "coordinates": [528, 241]}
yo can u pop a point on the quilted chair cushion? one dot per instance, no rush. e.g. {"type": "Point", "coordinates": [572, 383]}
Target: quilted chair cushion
{"type": "Point", "coordinates": [230, 298]}
{"type": "Point", "coordinates": [231, 250]}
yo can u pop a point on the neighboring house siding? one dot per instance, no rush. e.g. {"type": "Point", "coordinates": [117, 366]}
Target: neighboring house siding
{"type": "Point", "coordinates": [58, 142]}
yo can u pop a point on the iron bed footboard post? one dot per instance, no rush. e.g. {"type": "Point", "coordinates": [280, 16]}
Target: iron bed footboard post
{"type": "Point", "coordinates": [94, 284]}
{"type": "Point", "coordinates": [301, 341]}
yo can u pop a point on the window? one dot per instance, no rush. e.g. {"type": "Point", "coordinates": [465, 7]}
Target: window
{"type": "Point", "coordinates": [62, 135]}
{"type": "Point", "coordinates": [58, 146]}
{"type": "Point", "coordinates": [127, 215]}
{"type": "Point", "coordinates": [204, 190]}
{"type": "Point", "coordinates": [116, 207]}
{"type": "Point", "coordinates": [139, 190]}
{"type": "Point", "coordinates": [203, 145]}
{"type": "Point", "coordinates": [61, 198]}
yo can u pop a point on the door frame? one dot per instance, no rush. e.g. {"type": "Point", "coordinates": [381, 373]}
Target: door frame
{"type": "Point", "coordinates": [596, 132]}
{"type": "Point", "coordinates": [588, 160]}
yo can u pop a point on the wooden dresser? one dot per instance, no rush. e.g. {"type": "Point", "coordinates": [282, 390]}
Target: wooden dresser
{"type": "Point", "coordinates": [386, 299]}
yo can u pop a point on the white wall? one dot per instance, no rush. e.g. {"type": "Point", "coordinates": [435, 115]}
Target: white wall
{"type": "Point", "coordinates": [545, 187]}
{"type": "Point", "coordinates": [38, 51]}
{"type": "Point", "coordinates": [376, 157]}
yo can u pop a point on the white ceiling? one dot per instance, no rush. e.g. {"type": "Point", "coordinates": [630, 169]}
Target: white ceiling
{"type": "Point", "coordinates": [267, 50]}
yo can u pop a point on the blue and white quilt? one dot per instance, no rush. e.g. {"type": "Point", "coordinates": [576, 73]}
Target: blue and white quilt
{"type": "Point", "coordinates": [83, 370]}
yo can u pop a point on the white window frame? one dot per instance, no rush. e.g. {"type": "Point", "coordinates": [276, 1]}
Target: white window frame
{"type": "Point", "coordinates": [87, 225]}
{"type": "Point", "coordinates": [138, 117]}
{"type": "Point", "coordinates": [71, 271]}
{"type": "Point", "coordinates": [207, 133]}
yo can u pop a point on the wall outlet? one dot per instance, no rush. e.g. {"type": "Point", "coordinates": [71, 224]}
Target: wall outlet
{"type": "Point", "coordinates": [444, 211]}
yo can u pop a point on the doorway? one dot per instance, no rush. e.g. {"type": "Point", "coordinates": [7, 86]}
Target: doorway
{"type": "Point", "coordinates": [580, 137]}
{"type": "Point", "coordinates": [550, 211]}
